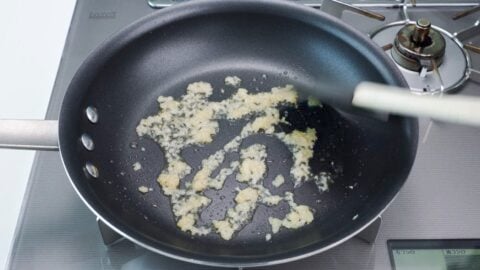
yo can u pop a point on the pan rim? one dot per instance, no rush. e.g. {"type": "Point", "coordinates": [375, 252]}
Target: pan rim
{"type": "Point", "coordinates": [202, 7]}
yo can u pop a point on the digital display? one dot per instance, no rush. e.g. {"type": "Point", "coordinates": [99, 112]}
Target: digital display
{"type": "Point", "coordinates": [457, 254]}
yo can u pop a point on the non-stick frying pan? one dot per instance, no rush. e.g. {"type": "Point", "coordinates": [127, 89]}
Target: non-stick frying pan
{"type": "Point", "coordinates": [161, 54]}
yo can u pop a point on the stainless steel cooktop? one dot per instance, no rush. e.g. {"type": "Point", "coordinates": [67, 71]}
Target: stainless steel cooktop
{"type": "Point", "coordinates": [439, 201]}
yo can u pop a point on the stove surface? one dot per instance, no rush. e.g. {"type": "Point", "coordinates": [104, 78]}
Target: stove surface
{"type": "Point", "coordinates": [439, 201]}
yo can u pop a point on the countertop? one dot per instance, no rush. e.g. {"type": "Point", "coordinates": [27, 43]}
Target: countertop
{"type": "Point", "coordinates": [32, 37]}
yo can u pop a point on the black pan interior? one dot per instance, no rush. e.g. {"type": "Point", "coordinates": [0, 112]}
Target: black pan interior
{"type": "Point", "coordinates": [124, 78]}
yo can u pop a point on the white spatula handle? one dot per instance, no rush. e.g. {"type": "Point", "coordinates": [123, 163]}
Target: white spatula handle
{"type": "Point", "coordinates": [448, 108]}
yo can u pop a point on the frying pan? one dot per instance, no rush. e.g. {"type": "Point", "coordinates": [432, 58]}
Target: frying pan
{"type": "Point", "coordinates": [161, 54]}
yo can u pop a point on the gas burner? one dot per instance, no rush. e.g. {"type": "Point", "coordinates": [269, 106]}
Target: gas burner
{"type": "Point", "coordinates": [430, 58]}
{"type": "Point", "coordinates": [418, 46]}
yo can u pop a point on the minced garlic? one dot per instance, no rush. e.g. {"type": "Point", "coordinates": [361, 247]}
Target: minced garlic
{"type": "Point", "coordinates": [268, 237]}
{"type": "Point", "coordinates": [137, 166]}
{"type": "Point", "coordinates": [193, 120]}
{"type": "Point", "coordinates": [253, 167]}
{"type": "Point", "coordinates": [233, 81]}
{"type": "Point", "coordinates": [278, 181]}
{"type": "Point", "coordinates": [301, 145]}
{"type": "Point", "coordinates": [143, 189]}
{"type": "Point", "coordinates": [299, 216]}
{"type": "Point", "coordinates": [247, 198]}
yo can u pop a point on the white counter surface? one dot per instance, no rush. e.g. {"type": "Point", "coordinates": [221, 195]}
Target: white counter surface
{"type": "Point", "coordinates": [32, 36]}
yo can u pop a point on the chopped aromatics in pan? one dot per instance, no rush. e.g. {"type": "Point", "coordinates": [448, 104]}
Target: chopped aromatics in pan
{"type": "Point", "coordinates": [278, 181]}
{"type": "Point", "coordinates": [193, 120]}
{"type": "Point", "coordinates": [299, 216]}
{"type": "Point", "coordinates": [252, 170]}
{"type": "Point", "coordinates": [143, 189]}
{"type": "Point", "coordinates": [233, 81]}
{"type": "Point", "coordinates": [301, 145]}
{"type": "Point", "coordinates": [268, 236]}
{"type": "Point", "coordinates": [137, 166]}
{"type": "Point", "coordinates": [253, 167]}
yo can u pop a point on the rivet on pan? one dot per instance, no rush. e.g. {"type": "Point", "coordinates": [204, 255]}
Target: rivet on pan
{"type": "Point", "coordinates": [91, 170]}
{"type": "Point", "coordinates": [87, 142]}
{"type": "Point", "coordinates": [92, 114]}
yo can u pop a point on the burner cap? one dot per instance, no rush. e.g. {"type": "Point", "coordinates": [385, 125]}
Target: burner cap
{"type": "Point", "coordinates": [455, 62]}
{"type": "Point", "coordinates": [418, 46]}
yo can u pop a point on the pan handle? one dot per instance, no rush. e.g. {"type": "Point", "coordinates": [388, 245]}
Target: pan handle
{"type": "Point", "coordinates": [29, 134]}
{"type": "Point", "coordinates": [448, 108]}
